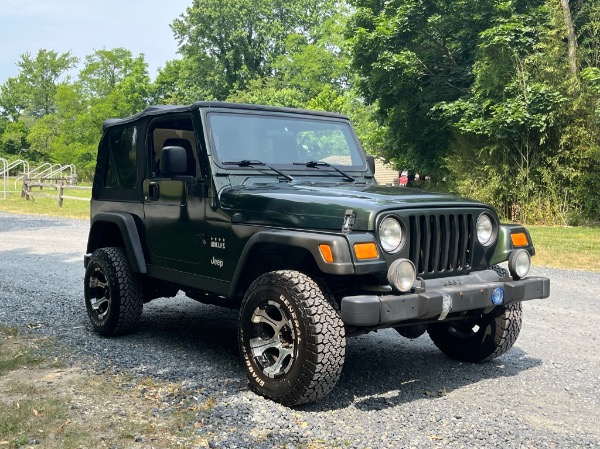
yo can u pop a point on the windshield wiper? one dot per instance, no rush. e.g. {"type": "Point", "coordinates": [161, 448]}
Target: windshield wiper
{"type": "Point", "coordinates": [317, 164]}
{"type": "Point", "coordinates": [251, 163]}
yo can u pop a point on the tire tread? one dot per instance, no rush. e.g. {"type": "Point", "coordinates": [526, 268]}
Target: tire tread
{"type": "Point", "coordinates": [130, 292]}
{"type": "Point", "coordinates": [506, 325]}
{"type": "Point", "coordinates": [326, 345]}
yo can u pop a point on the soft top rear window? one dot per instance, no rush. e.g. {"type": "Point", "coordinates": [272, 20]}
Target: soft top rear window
{"type": "Point", "coordinates": [121, 172]}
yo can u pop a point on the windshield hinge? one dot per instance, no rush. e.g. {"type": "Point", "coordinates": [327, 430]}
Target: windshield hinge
{"type": "Point", "coordinates": [349, 218]}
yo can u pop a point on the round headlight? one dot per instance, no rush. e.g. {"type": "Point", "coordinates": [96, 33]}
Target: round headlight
{"type": "Point", "coordinates": [402, 275]}
{"type": "Point", "coordinates": [485, 230]}
{"type": "Point", "coordinates": [390, 234]}
{"type": "Point", "coordinates": [519, 264]}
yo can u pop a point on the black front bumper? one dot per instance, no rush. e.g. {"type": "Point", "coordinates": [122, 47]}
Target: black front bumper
{"type": "Point", "coordinates": [439, 297]}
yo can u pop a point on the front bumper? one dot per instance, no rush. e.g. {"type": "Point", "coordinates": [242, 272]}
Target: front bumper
{"type": "Point", "coordinates": [439, 297]}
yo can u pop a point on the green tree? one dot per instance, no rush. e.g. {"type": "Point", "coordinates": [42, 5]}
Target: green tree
{"type": "Point", "coordinates": [586, 130]}
{"type": "Point", "coordinates": [78, 131]}
{"type": "Point", "coordinates": [103, 70]}
{"type": "Point", "coordinates": [489, 91]}
{"type": "Point", "coordinates": [411, 55]}
{"type": "Point", "coordinates": [111, 83]}
{"type": "Point", "coordinates": [40, 77]}
{"type": "Point", "coordinates": [231, 42]}
{"type": "Point", "coordinates": [13, 99]}
{"type": "Point", "coordinates": [168, 86]}
{"type": "Point", "coordinates": [305, 70]}
{"type": "Point", "coordinates": [13, 140]}
{"type": "Point", "coordinates": [523, 134]}
{"type": "Point", "coordinates": [29, 98]}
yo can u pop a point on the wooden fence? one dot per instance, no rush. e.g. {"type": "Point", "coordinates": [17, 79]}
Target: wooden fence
{"type": "Point", "coordinates": [58, 184]}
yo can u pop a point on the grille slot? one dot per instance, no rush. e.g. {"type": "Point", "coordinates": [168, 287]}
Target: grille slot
{"type": "Point", "coordinates": [441, 242]}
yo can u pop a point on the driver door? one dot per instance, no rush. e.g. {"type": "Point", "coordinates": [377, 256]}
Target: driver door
{"type": "Point", "coordinates": [174, 217]}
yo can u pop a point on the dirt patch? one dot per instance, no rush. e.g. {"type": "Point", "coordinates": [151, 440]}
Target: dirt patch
{"type": "Point", "coordinates": [43, 405]}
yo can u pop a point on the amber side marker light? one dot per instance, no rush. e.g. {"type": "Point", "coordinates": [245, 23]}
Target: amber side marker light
{"type": "Point", "coordinates": [519, 239]}
{"type": "Point", "coordinates": [326, 252]}
{"type": "Point", "coordinates": [366, 251]}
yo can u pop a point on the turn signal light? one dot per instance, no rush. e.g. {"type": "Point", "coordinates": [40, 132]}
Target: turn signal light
{"type": "Point", "coordinates": [519, 239]}
{"type": "Point", "coordinates": [326, 252]}
{"type": "Point", "coordinates": [366, 251]}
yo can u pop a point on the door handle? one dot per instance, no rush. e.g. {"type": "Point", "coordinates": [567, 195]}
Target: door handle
{"type": "Point", "coordinates": [153, 191]}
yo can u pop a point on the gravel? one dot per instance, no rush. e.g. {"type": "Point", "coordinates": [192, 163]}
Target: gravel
{"type": "Point", "coordinates": [393, 392]}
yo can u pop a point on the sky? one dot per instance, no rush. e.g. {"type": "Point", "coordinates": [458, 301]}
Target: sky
{"type": "Point", "coordinates": [82, 26]}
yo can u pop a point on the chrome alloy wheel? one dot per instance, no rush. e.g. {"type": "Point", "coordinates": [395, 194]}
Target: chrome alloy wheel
{"type": "Point", "coordinates": [273, 343]}
{"type": "Point", "coordinates": [100, 289]}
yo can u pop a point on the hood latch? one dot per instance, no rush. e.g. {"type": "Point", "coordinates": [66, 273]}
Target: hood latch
{"type": "Point", "coordinates": [349, 219]}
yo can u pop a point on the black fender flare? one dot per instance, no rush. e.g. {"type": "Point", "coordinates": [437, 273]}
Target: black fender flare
{"type": "Point", "coordinates": [129, 232]}
{"type": "Point", "coordinates": [504, 245]}
{"type": "Point", "coordinates": [310, 241]}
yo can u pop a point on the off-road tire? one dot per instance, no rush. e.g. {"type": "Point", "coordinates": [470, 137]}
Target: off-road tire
{"type": "Point", "coordinates": [483, 338]}
{"type": "Point", "coordinates": [114, 294]}
{"type": "Point", "coordinates": [291, 338]}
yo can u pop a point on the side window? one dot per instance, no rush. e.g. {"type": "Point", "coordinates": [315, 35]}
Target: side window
{"type": "Point", "coordinates": [179, 134]}
{"type": "Point", "coordinates": [122, 172]}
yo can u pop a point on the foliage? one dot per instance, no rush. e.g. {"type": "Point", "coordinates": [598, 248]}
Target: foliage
{"type": "Point", "coordinates": [410, 55]}
{"type": "Point", "coordinates": [14, 138]}
{"type": "Point", "coordinates": [29, 98]}
{"type": "Point", "coordinates": [592, 77]}
{"type": "Point", "coordinates": [13, 99]}
{"type": "Point", "coordinates": [477, 92]}
{"type": "Point", "coordinates": [231, 42]}
{"type": "Point", "coordinates": [47, 117]}
{"type": "Point", "coordinates": [39, 78]}
{"type": "Point", "coordinates": [513, 114]}
{"type": "Point", "coordinates": [483, 91]}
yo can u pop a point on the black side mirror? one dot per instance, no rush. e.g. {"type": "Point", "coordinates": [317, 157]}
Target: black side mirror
{"type": "Point", "coordinates": [173, 161]}
{"type": "Point", "coordinates": [371, 163]}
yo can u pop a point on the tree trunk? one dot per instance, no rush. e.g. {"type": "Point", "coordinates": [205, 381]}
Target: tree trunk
{"type": "Point", "coordinates": [571, 38]}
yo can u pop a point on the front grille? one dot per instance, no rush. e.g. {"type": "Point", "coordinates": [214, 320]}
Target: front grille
{"type": "Point", "coordinates": [441, 243]}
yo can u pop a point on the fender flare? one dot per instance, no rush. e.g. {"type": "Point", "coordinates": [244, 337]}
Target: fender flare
{"type": "Point", "coordinates": [504, 246]}
{"type": "Point", "coordinates": [343, 265]}
{"type": "Point", "coordinates": [129, 232]}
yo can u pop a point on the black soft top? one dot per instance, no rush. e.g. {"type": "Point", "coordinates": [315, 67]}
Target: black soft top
{"type": "Point", "coordinates": [163, 109]}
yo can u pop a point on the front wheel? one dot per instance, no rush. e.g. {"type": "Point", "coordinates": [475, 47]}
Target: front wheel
{"type": "Point", "coordinates": [480, 338]}
{"type": "Point", "coordinates": [114, 294]}
{"type": "Point", "coordinates": [291, 338]}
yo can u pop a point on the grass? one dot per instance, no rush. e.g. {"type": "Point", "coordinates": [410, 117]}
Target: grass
{"type": "Point", "coordinates": [8, 331]}
{"type": "Point", "coordinates": [566, 247]}
{"type": "Point", "coordinates": [12, 358]}
{"type": "Point", "coordinates": [45, 206]}
{"type": "Point", "coordinates": [47, 404]}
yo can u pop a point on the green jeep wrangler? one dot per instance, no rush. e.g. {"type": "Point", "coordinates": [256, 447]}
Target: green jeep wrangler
{"type": "Point", "coordinates": [276, 212]}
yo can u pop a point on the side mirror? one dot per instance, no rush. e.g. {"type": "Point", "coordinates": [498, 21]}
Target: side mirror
{"type": "Point", "coordinates": [173, 161]}
{"type": "Point", "coordinates": [371, 163]}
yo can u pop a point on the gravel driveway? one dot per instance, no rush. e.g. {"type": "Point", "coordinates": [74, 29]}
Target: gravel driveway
{"type": "Point", "coordinates": [393, 392]}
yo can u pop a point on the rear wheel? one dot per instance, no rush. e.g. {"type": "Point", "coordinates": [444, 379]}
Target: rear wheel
{"type": "Point", "coordinates": [291, 338]}
{"type": "Point", "coordinates": [481, 338]}
{"type": "Point", "coordinates": [114, 295]}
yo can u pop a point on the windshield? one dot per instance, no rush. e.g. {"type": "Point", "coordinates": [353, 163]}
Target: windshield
{"type": "Point", "coordinates": [281, 140]}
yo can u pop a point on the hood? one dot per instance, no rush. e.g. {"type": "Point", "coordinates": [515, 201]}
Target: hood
{"type": "Point", "coordinates": [324, 207]}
